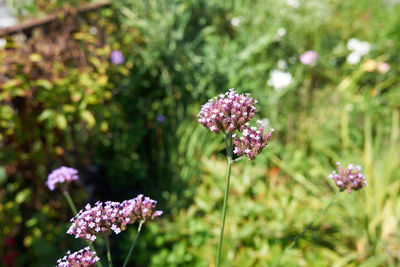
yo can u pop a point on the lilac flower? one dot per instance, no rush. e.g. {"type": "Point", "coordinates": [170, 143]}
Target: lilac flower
{"type": "Point", "coordinates": [383, 67]}
{"type": "Point", "coordinates": [110, 217]}
{"type": "Point", "coordinates": [81, 258]}
{"type": "Point", "coordinates": [160, 118]}
{"type": "Point", "coordinates": [117, 57]}
{"type": "Point", "coordinates": [309, 58]}
{"type": "Point", "coordinates": [227, 112]}
{"type": "Point", "coordinates": [252, 142]}
{"type": "Point", "coordinates": [103, 218]}
{"type": "Point", "coordinates": [61, 175]}
{"type": "Point", "coordinates": [349, 178]}
{"type": "Point", "coordinates": [141, 209]}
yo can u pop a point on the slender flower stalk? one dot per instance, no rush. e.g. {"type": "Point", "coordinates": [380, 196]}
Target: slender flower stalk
{"type": "Point", "coordinates": [133, 243]}
{"type": "Point", "coordinates": [70, 202]}
{"type": "Point", "coordinates": [306, 228]}
{"type": "Point", "coordinates": [229, 152]}
{"type": "Point", "coordinates": [108, 250]}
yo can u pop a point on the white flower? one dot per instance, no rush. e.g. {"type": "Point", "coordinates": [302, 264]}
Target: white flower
{"type": "Point", "coordinates": [93, 30]}
{"type": "Point", "coordinates": [281, 32]}
{"type": "Point", "coordinates": [353, 58]}
{"type": "Point", "coordinates": [293, 3]}
{"type": "Point", "coordinates": [352, 44]}
{"type": "Point", "coordinates": [358, 48]}
{"type": "Point", "coordinates": [279, 79]}
{"type": "Point", "coordinates": [236, 21]}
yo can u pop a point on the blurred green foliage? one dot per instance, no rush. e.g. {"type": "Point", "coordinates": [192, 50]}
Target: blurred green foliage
{"type": "Point", "coordinates": [178, 55]}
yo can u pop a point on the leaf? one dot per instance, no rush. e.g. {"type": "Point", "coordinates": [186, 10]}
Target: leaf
{"type": "Point", "coordinates": [61, 121]}
{"type": "Point", "coordinates": [35, 57]}
{"type": "Point", "coordinates": [47, 113]}
{"type": "Point", "coordinates": [44, 83]}
{"type": "Point", "coordinates": [88, 117]}
{"type": "Point", "coordinates": [23, 196]}
{"type": "Point", "coordinates": [11, 83]}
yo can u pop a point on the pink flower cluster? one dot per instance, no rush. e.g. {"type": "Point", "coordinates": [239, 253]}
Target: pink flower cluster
{"type": "Point", "coordinates": [81, 258]}
{"type": "Point", "coordinates": [111, 217]}
{"type": "Point", "coordinates": [141, 209]}
{"type": "Point", "coordinates": [252, 142]}
{"type": "Point", "coordinates": [349, 178]}
{"type": "Point", "coordinates": [227, 112]}
{"type": "Point", "coordinates": [61, 175]}
{"type": "Point", "coordinates": [309, 58]}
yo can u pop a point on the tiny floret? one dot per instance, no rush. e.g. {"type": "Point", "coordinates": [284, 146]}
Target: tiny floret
{"type": "Point", "coordinates": [61, 175]}
{"type": "Point", "coordinates": [348, 179]}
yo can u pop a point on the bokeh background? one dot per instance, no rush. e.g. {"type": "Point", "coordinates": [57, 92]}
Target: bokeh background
{"type": "Point", "coordinates": [128, 124]}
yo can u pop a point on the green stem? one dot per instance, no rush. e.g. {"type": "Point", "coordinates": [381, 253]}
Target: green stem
{"type": "Point", "coordinates": [133, 244]}
{"type": "Point", "coordinates": [306, 228]}
{"type": "Point", "coordinates": [73, 208]}
{"type": "Point", "coordinates": [108, 251]}
{"type": "Point", "coordinates": [70, 202]}
{"type": "Point", "coordinates": [228, 177]}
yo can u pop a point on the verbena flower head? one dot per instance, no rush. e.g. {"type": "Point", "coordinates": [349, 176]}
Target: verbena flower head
{"type": "Point", "coordinates": [110, 217]}
{"type": "Point", "coordinates": [61, 175]}
{"type": "Point", "coordinates": [227, 112]}
{"type": "Point", "coordinates": [103, 218]}
{"type": "Point", "coordinates": [141, 208]}
{"type": "Point", "coordinates": [252, 142]}
{"type": "Point", "coordinates": [81, 258]}
{"type": "Point", "coordinates": [117, 57]}
{"type": "Point", "coordinates": [309, 58]}
{"type": "Point", "coordinates": [349, 178]}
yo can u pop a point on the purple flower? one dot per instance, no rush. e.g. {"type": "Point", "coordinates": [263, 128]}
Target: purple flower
{"type": "Point", "coordinates": [83, 257]}
{"type": "Point", "coordinates": [252, 142]}
{"type": "Point", "coordinates": [227, 112]}
{"type": "Point", "coordinates": [117, 57]}
{"type": "Point", "coordinates": [160, 118]}
{"type": "Point", "coordinates": [141, 208]}
{"type": "Point", "coordinates": [309, 58]}
{"type": "Point", "coordinates": [61, 175]}
{"type": "Point", "coordinates": [103, 218]}
{"type": "Point", "coordinates": [349, 178]}
{"type": "Point", "coordinates": [110, 217]}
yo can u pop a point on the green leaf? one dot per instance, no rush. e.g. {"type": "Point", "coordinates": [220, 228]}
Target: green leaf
{"type": "Point", "coordinates": [46, 114]}
{"type": "Point", "coordinates": [61, 121]}
{"type": "Point", "coordinates": [23, 196]}
{"type": "Point", "coordinates": [44, 83]}
{"type": "Point", "coordinates": [88, 117]}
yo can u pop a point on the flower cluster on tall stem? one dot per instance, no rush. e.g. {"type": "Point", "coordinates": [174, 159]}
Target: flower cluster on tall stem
{"type": "Point", "coordinates": [225, 114]}
{"type": "Point", "coordinates": [349, 179]}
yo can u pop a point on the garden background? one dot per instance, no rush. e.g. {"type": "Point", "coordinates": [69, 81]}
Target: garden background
{"type": "Point", "coordinates": [130, 127]}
